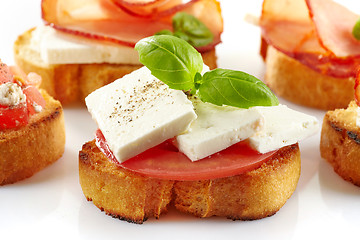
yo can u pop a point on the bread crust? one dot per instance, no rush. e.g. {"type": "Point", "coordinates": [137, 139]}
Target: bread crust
{"type": "Point", "coordinates": [340, 143]}
{"type": "Point", "coordinates": [300, 84]}
{"type": "Point", "coordinates": [71, 83]}
{"type": "Point", "coordinates": [27, 150]}
{"type": "Point", "coordinates": [132, 197]}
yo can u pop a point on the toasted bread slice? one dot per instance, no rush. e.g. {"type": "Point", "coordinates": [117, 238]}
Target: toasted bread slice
{"type": "Point", "coordinates": [28, 149]}
{"type": "Point", "coordinates": [70, 83]}
{"type": "Point", "coordinates": [340, 142]}
{"type": "Point", "coordinates": [132, 197]}
{"type": "Point", "coordinates": [300, 84]}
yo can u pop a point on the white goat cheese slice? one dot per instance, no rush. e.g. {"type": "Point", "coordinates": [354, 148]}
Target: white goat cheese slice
{"type": "Point", "coordinates": [138, 112]}
{"type": "Point", "coordinates": [60, 48]}
{"type": "Point", "coordinates": [282, 127]}
{"type": "Point", "coordinates": [217, 128]}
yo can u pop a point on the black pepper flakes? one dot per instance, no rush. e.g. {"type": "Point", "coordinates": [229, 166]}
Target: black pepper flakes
{"type": "Point", "coordinates": [133, 105]}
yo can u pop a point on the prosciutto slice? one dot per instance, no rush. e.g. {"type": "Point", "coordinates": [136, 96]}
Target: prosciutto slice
{"type": "Point", "coordinates": [127, 21]}
{"type": "Point", "coordinates": [314, 32]}
{"type": "Point", "coordinates": [334, 24]}
{"type": "Point", "coordinates": [148, 9]}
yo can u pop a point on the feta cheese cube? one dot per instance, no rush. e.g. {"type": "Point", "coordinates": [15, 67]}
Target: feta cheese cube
{"type": "Point", "coordinates": [217, 128]}
{"type": "Point", "coordinates": [282, 127]}
{"type": "Point", "coordinates": [138, 112]}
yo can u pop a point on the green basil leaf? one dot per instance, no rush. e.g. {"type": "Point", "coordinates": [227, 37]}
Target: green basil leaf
{"type": "Point", "coordinates": [197, 80]}
{"type": "Point", "coordinates": [183, 36]}
{"type": "Point", "coordinates": [178, 64]}
{"type": "Point", "coordinates": [191, 29]}
{"type": "Point", "coordinates": [356, 30]}
{"type": "Point", "coordinates": [170, 59]}
{"type": "Point", "coordinates": [164, 32]}
{"type": "Point", "coordinates": [235, 88]}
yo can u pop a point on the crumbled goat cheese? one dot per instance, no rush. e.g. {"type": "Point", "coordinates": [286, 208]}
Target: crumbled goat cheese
{"type": "Point", "coordinates": [11, 94]}
{"type": "Point", "coordinates": [37, 107]}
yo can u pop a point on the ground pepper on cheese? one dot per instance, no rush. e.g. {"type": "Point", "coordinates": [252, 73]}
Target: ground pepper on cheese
{"type": "Point", "coordinates": [141, 94]}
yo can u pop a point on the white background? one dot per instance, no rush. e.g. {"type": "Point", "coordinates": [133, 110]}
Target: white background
{"type": "Point", "coordinates": [52, 205]}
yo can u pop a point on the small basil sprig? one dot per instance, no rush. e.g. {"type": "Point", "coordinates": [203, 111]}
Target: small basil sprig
{"type": "Point", "coordinates": [170, 60]}
{"type": "Point", "coordinates": [178, 64]}
{"type": "Point", "coordinates": [356, 30]}
{"type": "Point", "coordinates": [190, 29]}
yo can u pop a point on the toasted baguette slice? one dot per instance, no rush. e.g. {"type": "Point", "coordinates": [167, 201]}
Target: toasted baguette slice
{"type": "Point", "coordinates": [340, 142]}
{"type": "Point", "coordinates": [70, 83]}
{"type": "Point", "coordinates": [27, 150]}
{"type": "Point", "coordinates": [132, 197]}
{"type": "Point", "coordinates": [298, 83]}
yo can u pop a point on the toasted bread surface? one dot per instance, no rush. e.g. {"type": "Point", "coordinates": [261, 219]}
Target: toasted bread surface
{"type": "Point", "coordinates": [130, 196]}
{"type": "Point", "coordinates": [253, 195]}
{"type": "Point", "coordinates": [340, 142]}
{"type": "Point", "coordinates": [119, 192]}
{"type": "Point", "coordinates": [70, 83]}
{"type": "Point", "coordinates": [292, 80]}
{"type": "Point", "coordinates": [28, 149]}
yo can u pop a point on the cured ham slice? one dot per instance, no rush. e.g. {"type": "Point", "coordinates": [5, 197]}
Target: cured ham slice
{"type": "Point", "coordinates": [334, 24]}
{"type": "Point", "coordinates": [126, 22]}
{"type": "Point", "coordinates": [286, 25]}
{"type": "Point", "coordinates": [143, 8]}
{"type": "Point", "coordinates": [300, 29]}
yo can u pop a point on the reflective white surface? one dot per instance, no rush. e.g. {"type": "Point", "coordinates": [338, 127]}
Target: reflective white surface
{"type": "Point", "coordinates": [51, 204]}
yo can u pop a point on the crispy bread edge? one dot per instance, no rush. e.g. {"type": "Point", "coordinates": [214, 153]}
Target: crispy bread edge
{"type": "Point", "coordinates": [340, 143]}
{"type": "Point", "coordinates": [298, 83]}
{"type": "Point", "coordinates": [249, 196]}
{"type": "Point", "coordinates": [27, 150]}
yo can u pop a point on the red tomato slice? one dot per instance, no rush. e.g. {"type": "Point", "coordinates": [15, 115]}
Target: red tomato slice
{"type": "Point", "coordinates": [166, 162]}
{"type": "Point", "coordinates": [5, 73]}
{"type": "Point", "coordinates": [13, 117]}
{"type": "Point", "coordinates": [33, 98]}
{"type": "Point", "coordinates": [357, 88]}
{"type": "Point", "coordinates": [15, 70]}
{"type": "Point", "coordinates": [32, 78]}
{"type": "Point", "coordinates": [16, 116]}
